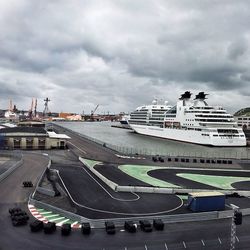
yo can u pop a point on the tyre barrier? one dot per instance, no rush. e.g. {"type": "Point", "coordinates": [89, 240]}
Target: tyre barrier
{"type": "Point", "coordinates": [36, 226]}
{"type": "Point", "coordinates": [66, 229]}
{"type": "Point", "coordinates": [154, 158]}
{"type": "Point", "coordinates": [110, 227]}
{"type": "Point", "coordinates": [15, 209]}
{"type": "Point", "coordinates": [158, 224]}
{"type": "Point", "coordinates": [27, 184]}
{"type": "Point", "coordinates": [130, 226]}
{"type": "Point", "coordinates": [49, 227]}
{"type": "Point", "coordinates": [146, 226]}
{"type": "Point", "coordinates": [18, 216]}
{"type": "Point", "coordinates": [161, 159]}
{"type": "Point", "coordinates": [86, 229]}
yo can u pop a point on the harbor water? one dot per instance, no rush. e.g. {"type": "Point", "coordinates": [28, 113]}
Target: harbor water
{"type": "Point", "coordinates": [128, 142]}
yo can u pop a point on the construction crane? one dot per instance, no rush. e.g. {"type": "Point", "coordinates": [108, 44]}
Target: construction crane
{"type": "Point", "coordinates": [35, 108]}
{"type": "Point", "coordinates": [31, 109]}
{"type": "Point", "coordinates": [93, 112]}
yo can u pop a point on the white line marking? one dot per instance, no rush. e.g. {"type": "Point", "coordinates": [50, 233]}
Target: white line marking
{"type": "Point", "coordinates": [184, 244]}
{"type": "Point", "coordinates": [237, 238]}
{"type": "Point", "coordinates": [146, 248]}
{"type": "Point", "coordinates": [219, 240]}
{"type": "Point", "coordinates": [137, 196]}
{"type": "Point", "coordinates": [60, 223]}
{"type": "Point", "coordinates": [203, 243]}
{"type": "Point", "coordinates": [111, 212]}
{"type": "Point", "coordinates": [77, 147]}
{"type": "Point", "coordinates": [166, 246]}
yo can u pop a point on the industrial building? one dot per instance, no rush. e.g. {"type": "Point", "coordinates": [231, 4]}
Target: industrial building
{"type": "Point", "coordinates": [31, 138]}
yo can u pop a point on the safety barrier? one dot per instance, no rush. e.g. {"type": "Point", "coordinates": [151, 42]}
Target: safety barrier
{"type": "Point", "coordinates": [138, 189]}
{"type": "Point", "coordinates": [111, 184]}
{"type": "Point", "coordinates": [38, 185]}
{"type": "Point", "coordinates": [11, 169]}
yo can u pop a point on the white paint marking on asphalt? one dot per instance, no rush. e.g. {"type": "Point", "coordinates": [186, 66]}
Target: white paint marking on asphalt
{"type": "Point", "coordinates": [237, 238]}
{"type": "Point", "coordinates": [166, 246]}
{"type": "Point", "coordinates": [184, 244]}
{"type": "Point", "coordinates": [203, 243]}
{"type": "Point", "coordinates": [60, 223]}
{"type": "Point", "coordinates": [219, 240]}
{"type": "Point", "coordinates": [125, 248]}
{"type": "Point", "coordinates": [146, 248]}
{"type": "Point", "coordinates": [77, 147]}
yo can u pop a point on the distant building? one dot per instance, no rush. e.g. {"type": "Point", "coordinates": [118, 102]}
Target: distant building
{"type": "Point", "coordinates": [31, 138]}
{"type": "Point", "coordinates": [242, 118]}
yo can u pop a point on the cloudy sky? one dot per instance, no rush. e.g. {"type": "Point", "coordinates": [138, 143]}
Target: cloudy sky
{"type": "Point", "coordinates": [123, 53]}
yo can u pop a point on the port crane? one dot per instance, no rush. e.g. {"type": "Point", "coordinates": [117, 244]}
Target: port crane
{"type": "Point", "coordinates": [93, 112]}
{"type": "Point", "coordinates": [46, 110]}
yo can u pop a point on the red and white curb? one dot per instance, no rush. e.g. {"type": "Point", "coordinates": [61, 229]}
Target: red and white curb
{"type": "Point", "coordinates": [52, 217]}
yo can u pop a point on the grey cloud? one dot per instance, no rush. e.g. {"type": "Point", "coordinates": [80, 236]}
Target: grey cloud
{"type": "Point", "coordinates": [122, 54]}
{"type": "Point", "coordinates": [237, 49]}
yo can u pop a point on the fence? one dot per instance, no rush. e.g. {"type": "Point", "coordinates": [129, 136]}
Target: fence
{"type": "Point", "coordinates": [145, 151]}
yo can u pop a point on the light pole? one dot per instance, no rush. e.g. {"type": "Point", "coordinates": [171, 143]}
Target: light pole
{"type": "Point", "coordinates": [236, 220]}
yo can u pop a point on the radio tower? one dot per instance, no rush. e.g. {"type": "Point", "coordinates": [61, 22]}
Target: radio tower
{"type": "Point", "coordinates": [46, 107]}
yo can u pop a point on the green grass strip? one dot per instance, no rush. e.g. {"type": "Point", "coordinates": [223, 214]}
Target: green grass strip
{"type": "Point", "coordinates": [222, 182]}
{"type": "Point", "coordinates": [90, 163]}
{"type": "Point", "coordinates": [140, 172]}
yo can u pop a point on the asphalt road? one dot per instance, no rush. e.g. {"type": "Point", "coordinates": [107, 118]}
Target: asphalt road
{"type": "Point", "coordinates": [197, 235]}
{"type": "Point", "coordinates": [181, 236]}
{"type": "Point", "coordinates": [94, 199]}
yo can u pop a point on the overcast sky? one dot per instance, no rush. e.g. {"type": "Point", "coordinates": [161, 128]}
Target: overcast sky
{"type": "Point", "coordinates": [123, 53]}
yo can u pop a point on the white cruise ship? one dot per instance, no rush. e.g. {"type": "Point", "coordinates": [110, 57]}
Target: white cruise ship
{"type": "Point", "coordinates": [192, 121]}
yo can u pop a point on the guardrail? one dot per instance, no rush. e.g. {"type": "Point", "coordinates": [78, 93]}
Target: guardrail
{"type": "Point", "coordinates": [145, 151]}
{"type": "Point", "coordinates": [100, 223]}
{"type": "Point", "coordinates": [13, 168]}
{"type": "Point", "coordinates": [161, 190]}
{"type": "Point", "coordinates": [38, 188]}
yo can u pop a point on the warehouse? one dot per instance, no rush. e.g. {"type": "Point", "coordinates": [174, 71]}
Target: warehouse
{"type": "Point", "coordinates": [31, 138]}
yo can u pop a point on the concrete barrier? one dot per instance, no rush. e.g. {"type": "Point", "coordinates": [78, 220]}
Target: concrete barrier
{"type": "Point", "coordinates": [46, 191]}
{"type": "Point", "coordinates": [38, 185]}
{"type": "Point", "coordinates": [111, 184]}
{"type": "Point", "coordinates": [11, 169]}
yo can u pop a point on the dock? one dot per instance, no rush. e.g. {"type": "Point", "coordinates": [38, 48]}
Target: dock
{"type": "Point", "coordinates": [120, 126]}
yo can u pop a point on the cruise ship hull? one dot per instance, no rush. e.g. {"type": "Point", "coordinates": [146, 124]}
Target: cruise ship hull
{"type": "Point", "coordinates": [190, 136]}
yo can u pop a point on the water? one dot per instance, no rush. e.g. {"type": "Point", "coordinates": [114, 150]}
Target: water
{"type": "Point", "coordinates": [129, 142]}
